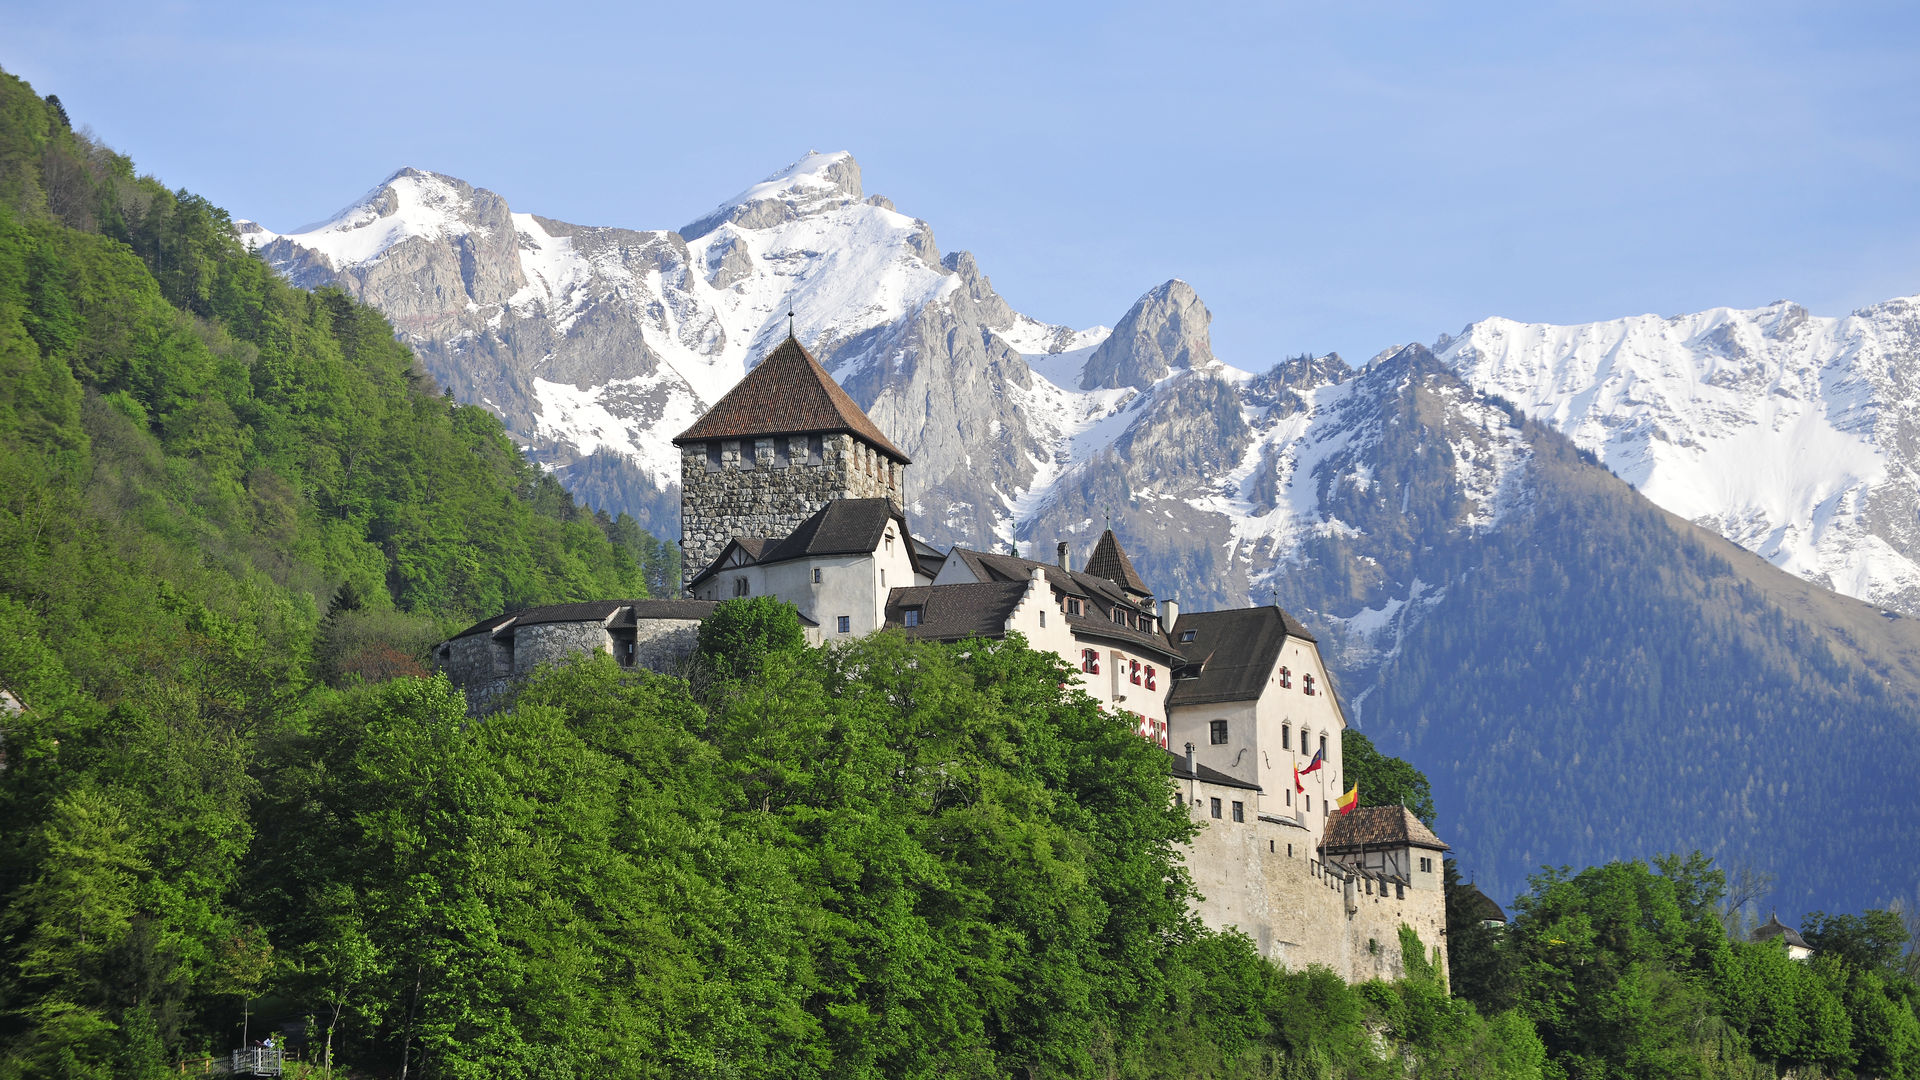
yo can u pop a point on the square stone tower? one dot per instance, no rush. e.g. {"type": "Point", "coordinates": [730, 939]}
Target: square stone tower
{"type": "Point", "coordinates": [780, 445]}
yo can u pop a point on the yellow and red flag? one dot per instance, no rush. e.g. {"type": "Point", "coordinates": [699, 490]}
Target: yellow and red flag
{"type": "Point", "coordinates": [1297, 785]}
{"type": "Point", "coordinates": [1351, 799]}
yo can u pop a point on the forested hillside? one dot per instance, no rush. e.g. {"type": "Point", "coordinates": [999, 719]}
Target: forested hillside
{"type": "Point", "coordinates": [217, 494]}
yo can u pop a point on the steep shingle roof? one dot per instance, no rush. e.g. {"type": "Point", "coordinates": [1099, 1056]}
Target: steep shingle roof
{"type": "Point", "coordinates": [1101, 595]}
{"type": "Point", "coordinates": [842, 527]}
{"type": "Point", "coordinates": [788, 394]}
{"type": "Point", "coordinates": [1774, 928]}
{"type": "Point", "coordinates": [1239, 646]}
{"type": "Point", "coordinates": [1377, 826]}
{"type": "Point", "coordinates": [951, 612]}
{"type": "Point", "coordinates": [1110, 561]}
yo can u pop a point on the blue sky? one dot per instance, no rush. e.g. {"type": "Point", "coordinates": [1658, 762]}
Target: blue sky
{"type": "Point", "coordinates": [1328, 176]}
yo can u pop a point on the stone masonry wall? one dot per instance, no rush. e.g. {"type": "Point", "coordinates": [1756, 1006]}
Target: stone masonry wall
{"type": "Point", "coordinates": [774, 492]}
{"type": "Point", "coordinates": [664, 644]}
{"type": "Point", "coordinates": [545, 643]}
{"type": "Point", "coordinates": [1298, 911]}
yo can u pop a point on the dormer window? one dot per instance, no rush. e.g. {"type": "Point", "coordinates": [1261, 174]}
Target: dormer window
{"type": "Point", "coordinates": [1187, 636]}
{"type": "Point", "coordinates": [1073, 606]}
{"type": "Point", "coordinates": [910, 617]}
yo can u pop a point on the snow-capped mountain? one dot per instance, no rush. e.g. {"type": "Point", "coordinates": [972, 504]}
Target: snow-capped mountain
{"type": "Point", "coordinates": [1496, 604]}
{"type": "Point", "coordinates": [597, 345]}
{"type": "Point", "coordinates": [1793, 435]}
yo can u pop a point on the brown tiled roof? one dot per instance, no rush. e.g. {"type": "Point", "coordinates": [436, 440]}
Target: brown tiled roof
{"type": "Point", "coordinates": [951, 612]}
{"type": "Point", "coordinates": [1377, 826]}
{"type": "Point", "coordinates": [1239, 646]}
{"type": "Point", "coordinates": [1110, 562]}
{"type": "Point", "coordinates": [788, 394]}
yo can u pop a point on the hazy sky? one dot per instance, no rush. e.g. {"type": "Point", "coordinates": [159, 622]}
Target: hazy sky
{"type": "Point", "coordinates": [1333, 176]}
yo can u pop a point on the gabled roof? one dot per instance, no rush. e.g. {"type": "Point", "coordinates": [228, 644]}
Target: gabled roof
{"type": "Point", "coordinates": [1377, 826]}
{"type": "Point", "coordinates": [788, 394]}
{"type": "Point", "coordinates": [1774, 928]}
{"type": "Point", "coordinates": [1097, 591]}
{"type": "Point", "coordinates": [1237, 648]}
{"type": "Point", "coordinates": [1206, 775]}
{"type": "Point", "coordinates": [952, 612]}
{"type": "Point", "coordinates": [842, 527]}
{"type": "Point", "coordinates": [1110, 561]}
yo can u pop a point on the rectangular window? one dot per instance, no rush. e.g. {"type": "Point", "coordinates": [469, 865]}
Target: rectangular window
{"type": "Point", "coordinates": [1286, 736]}
{"type": "Point", "coordinates": [1289, 851]}
{"type": "Point", "coordinates": [1090, 661]}
{"type": "Point", "coordinates": [1152, 684]}
{"type": "Point", "coordinates": [817, 572]}
{"type": "Point", "coordinates": [816, 450]}
{"type": "Point", "coordinates": [1214, 805]}
{"type": "Point", "coordinates": [1043, 620]}
{"type": "Point", "coordinates": [1133, 672]}
{"type": "Point", "coordinates": [1323, 746]}
{"type": "Point", "coordinates": [713, 457]}
{"type": "Point", "coordinates": [739, 586]}
{"type": "Point", "coordinates": [1239, 811]}
{"type": "Point", "coordinates": [910, 617]}
{"type": "Point", "coordinates": [1289, 796]}
{"type": "Point", "coordinates": [1309, 804]}
{"type": "Point", "coordinates": [883, 579]}
{"type": "Point", "coordinates": [1073, 606]}
{"type": "Point", "coordinates": [1217, 732]}
{"type": "Point", "coordinates": [1187, 635]}
{"type": "Point", "coordinates": [1270, 848]}
{"type": "Point", "coordinates": [846, 624]}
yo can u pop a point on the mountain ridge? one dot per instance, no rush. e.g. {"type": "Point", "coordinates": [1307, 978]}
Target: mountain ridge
{"type": "Point", "coordinates": [1367, 500]}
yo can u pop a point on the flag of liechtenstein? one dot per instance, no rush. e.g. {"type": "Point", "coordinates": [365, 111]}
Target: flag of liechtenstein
{"type": "Point", "coordinates": [1319, 759]}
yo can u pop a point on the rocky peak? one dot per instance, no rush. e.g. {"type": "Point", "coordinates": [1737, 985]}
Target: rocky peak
{"type": "Point", "coordinates": [1165, 329]}
{"type": "Point", "coordinates": [813, 185]}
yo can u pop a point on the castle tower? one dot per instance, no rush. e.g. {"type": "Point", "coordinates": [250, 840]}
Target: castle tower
{"type": "Point", "coordinates": [780, 445]}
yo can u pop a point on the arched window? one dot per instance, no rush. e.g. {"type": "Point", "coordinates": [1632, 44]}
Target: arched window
{"type": "Point", "coordinates": [1133, 672]}
{"type": "Point", "coordinates": [1150, 681]}
{"type": "Point", "coordinates": [1323, 746]}
{"type": "Point", "coordinates": [1090, 661]}
{"type": "Point", "coordinates": [1286, 736]}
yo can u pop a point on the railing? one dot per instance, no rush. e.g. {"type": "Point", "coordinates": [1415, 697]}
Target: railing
{"type": "Point", "coordinates": [256, 1061]}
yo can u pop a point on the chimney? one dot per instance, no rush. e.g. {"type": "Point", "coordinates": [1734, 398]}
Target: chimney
{"type": "Point", "coordinates": [1190, 769]}
{"type": "Point", "coordinates": [1060, 550]}
{"type": "Point", "coordinates": [1169, 614]}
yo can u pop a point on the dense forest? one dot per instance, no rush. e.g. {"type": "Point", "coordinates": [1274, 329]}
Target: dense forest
{"type": "Point", "coordinates": [233, 802]}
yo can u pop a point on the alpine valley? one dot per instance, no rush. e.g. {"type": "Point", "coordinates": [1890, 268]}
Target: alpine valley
{"type": "Point", "coordinates": [1623, 588]}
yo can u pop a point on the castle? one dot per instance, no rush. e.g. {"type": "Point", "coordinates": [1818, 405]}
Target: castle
{"type": "Point", "coordinates": [790, 490]}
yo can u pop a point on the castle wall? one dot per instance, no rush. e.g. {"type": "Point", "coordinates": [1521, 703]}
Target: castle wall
{"type": "Point", "coordinates": [546, 643]}
{"type": "Point", "coordinates": [768, 486]}
{"type": "Point", "coordinates": [485, 667]}
{"type": "Point", "coordinates": [1265, 878]}
{"type": "Point", "coordinates": [664, 644]}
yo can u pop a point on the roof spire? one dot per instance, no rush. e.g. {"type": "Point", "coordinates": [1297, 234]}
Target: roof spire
{"type": "Point", "coordinates": [790, 334]}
